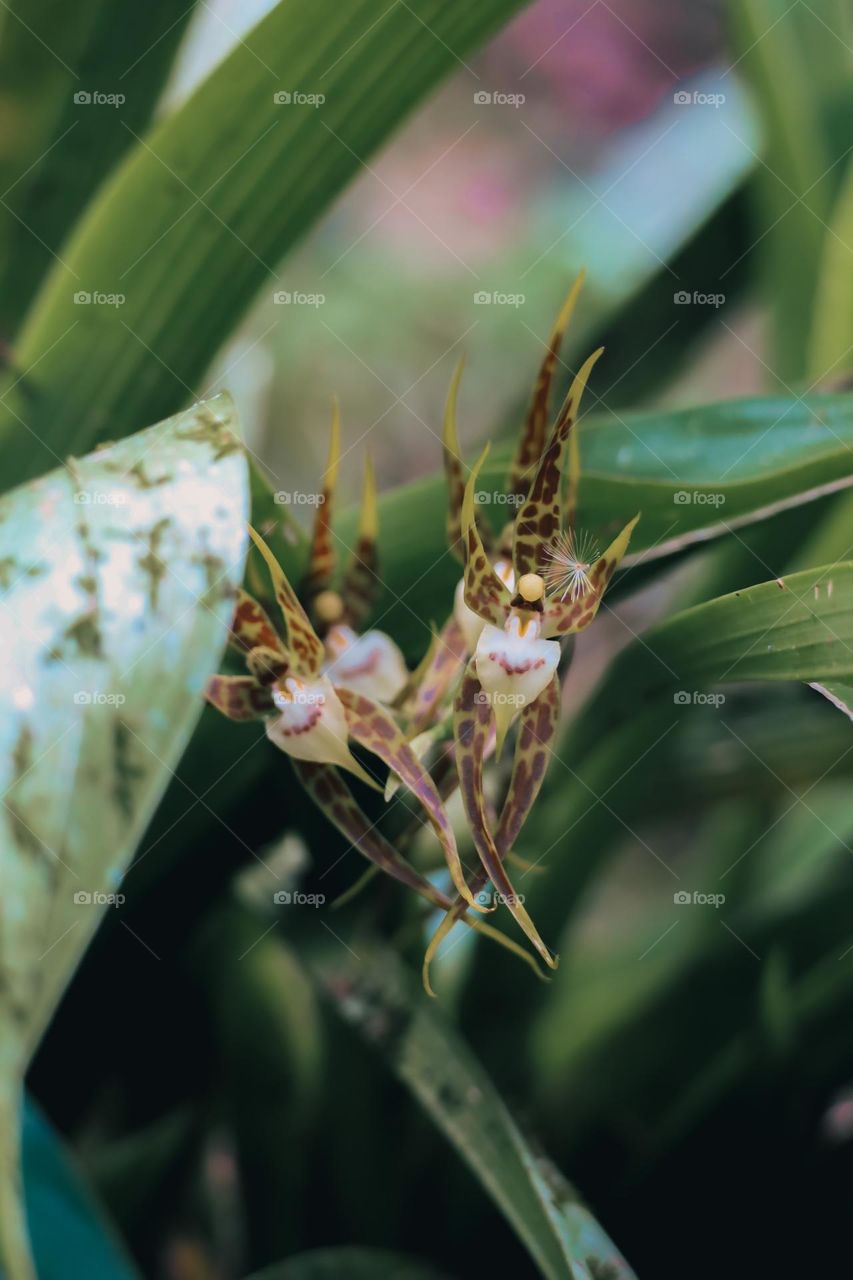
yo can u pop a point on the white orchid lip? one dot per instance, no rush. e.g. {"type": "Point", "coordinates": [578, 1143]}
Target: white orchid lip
{"type": "Point", "coordinates": [470, 622]}
{"type": "Point", "coordinates": [514, 666]}
{"type": "Point", "coordinates": [311, 724]}
{"type": "Point", "coordinates": [372, 664]}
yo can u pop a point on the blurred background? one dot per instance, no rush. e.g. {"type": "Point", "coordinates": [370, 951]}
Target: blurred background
{"type": "Point", "coordinates": [601, 169]}
{"type": "Point", "coordinates": [695, 1077]}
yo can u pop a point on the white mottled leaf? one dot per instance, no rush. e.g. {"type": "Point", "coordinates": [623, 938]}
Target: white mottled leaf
{"type": "Point", "coordinates": [117, 575]}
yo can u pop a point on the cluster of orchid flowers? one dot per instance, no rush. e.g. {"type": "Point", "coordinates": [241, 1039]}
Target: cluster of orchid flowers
{"type": "Point", "coordinates": [323, 682]}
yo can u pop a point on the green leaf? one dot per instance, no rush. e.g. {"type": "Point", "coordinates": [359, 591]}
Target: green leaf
{"type": "Point", "coordinates": [794, 181]}
{"type": "Point", "coordinates": [265, 1017]}
{"type": "Point", "coordinates": [198, 216]}
{"type": "Point", "coordinates": [800, 631]}
{"type": "Point", "coordinates": [838, 692]}
{"type": "Point", "coordinates": [69, 1231]}
{"type": "Point", "coordinates": [797, 628]}
{"type": "Point", "coordinates": [378, 997]}
{"type": "Point", "coordinates": [620, 997]}
{"type": "Point", "coordinates": [350, 1264]}
{"type": "Point", "coordinates": [57, 149]}
{"type": "Point", "coordinates": [832, 327]}
{"type": "Point", "coordinates": [119, 572]}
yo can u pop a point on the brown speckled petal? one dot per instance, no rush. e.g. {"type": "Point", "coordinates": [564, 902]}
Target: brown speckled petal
{"type": "Point", "coordinates": [485, 594]}
{"type": "Point", "coordinates": [321, 559]}
{"type": "Point", "coordinates": [532, 440]}
{"type": "Point", "coordinates": [305, 645]}
{"type": "Point", "coordinates": [239, 697]}
{"type": "Point", "coordinates": [330, 793]}
{"type": "Point", "coordinates": [538, 522]}
{"type": "Point", "coordinates": [374, 727]}
{"type": "Point", "coordinates": [434, 678]}
{"type": "Point", "coordinates": [361, 586]}
{"type": "Point", "coordinates": [537, 727]}
{"type": "Point", "coordinates": [250, 626]}
{"type": "Point", "coordinates": [565, 617]}
{"type": "Point", "coordinates": [471, 728]}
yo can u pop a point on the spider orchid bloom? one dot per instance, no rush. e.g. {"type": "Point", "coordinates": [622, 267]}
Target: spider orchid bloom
{"type": "Point", "coordinates": [513, 670]}
{"type": "Point", "coordinates": [370, 663]}
{"type": "Point", "coordinates": [311, 719]}
{"type": "Point", "coordinates": [460, 634]}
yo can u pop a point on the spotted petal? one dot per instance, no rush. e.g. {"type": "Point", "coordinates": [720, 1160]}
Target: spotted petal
{"type": "Point", "coordinates": [330, 793]}
{"type": "Point", "coordinates": [536, 730]}
{"type": "Point", "coordinates": [321, 559]}
{"type": "Point", "coordinates": [538, 726]}
{"type": "Point", "coordinates": [485, 594]}
{"type": "Point", "coordinates": [361, 585]}
{"type": "Point", "coordinates": [373, 727]}
{"type": "Point", "coordinates": [532, 440]}
{"type": "Point", "coordinates": [302, 640]}
{"type": "Point", "coordinates": [250, 626]}
{"type": "Point", "coordinates": [239, 697]}
{"type": "Point", "coordinates": [538, 522]}
{"type": "Point", "coordinates": [444, 661]}
{"type": "Point", "coordinates": [471, 728]}
{"type": "Point", "coordinates": [565, 617]}
{"type": "Point", "coordinates": [334, 798]}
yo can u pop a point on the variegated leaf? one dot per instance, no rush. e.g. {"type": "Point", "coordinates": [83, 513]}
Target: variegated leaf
{"type": "Point", "coordinates": [120, 574]}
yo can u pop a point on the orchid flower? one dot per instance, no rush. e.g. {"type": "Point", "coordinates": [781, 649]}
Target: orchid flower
{"type": "Point", "coordinates": [513, 670]}
{"type": "Point", "coordinates": [311, 719]}
{"type": "Point", "coordinates": [369, 663]}
{"type": "Point", "coordinates": [458, 638]}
